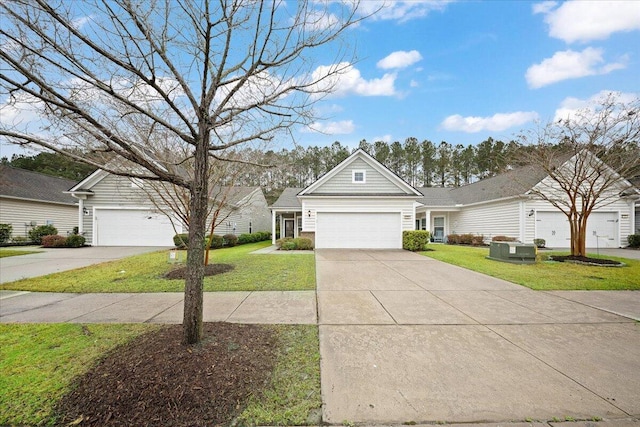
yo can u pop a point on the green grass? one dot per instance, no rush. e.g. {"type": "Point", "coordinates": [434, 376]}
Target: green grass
{"type": "Point", "coordinates": [143, 273]}
{"type": "Point", "coordinates": [38, 362]}
{"type": "Point", "coordinates": [544, 275]}
{"type": "Point", "coordinates": [4, 252]}
{"type": "Point", "coordinates": [293, 397]}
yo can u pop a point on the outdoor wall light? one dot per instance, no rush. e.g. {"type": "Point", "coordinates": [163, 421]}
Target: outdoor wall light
{"type": "Point", "coordinates": [309, 214]}
{"type": "Point", "coordinates": [531, 212]}
{"type": "Point", "coordinates": [85, 211]}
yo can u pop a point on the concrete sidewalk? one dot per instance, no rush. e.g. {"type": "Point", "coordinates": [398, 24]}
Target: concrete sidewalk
{"type": "Point", "coordinates": [405, 338]}
{"type": "Point", "coordinates": [237, 307]}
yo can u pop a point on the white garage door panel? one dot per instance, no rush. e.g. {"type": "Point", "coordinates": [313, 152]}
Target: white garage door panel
{"type": "Point", "coordinates": [602, 229]}
{"type": "Point", "coordinates": [132, 227]}
{"type": "Point", "coordinates": [381, 230]}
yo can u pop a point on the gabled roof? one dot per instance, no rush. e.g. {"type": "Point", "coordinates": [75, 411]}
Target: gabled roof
{"type": "Point", "coordinates": [288, 199]}
{"type": "Point", "coordinates": [373, 163]}
{"type": "Point", "coordinates": [28, 185]}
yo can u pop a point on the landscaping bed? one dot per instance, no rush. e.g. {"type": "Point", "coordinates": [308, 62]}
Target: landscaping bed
{"type": "Point", "coordinates": [602, 262]}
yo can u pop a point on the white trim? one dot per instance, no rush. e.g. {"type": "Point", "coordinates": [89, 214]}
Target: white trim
{"type": "Point", "coordinates": [358, 171]}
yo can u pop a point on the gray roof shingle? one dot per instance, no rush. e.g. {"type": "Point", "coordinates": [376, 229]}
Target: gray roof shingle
{"type": "Point", "coordinates": [288, 199]}
{"type": "Point", "coordinates": [25, 184]}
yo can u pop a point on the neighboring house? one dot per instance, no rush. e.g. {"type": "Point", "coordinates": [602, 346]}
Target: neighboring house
{"type": "Point", "coordinates": [117, 211]}
{"type": "Point", "coordinates": [358, 204]}
{"type": "Point", "coordinates": [636, 229]}
{"type": "Point", "coordinates": [340, 211]}
{"type": "Point", "coordinates": [29, 199]}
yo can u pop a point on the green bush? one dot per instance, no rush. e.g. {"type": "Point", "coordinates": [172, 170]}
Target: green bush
{"type": "Point", "coordinates": [282, 241]}
{"type": "Point", "coordinates": [216, 241]}
{"type": "Point", "coordinates": [263, 235]}
{"type": "Point", "coordinates": [75, 241]}
{"type": "Point", "coordinates": [245, 238]}
{"type": "Point", "coordinates": [37, 233]}
{"type": "Point", "coordinates": [5, 232]}
{"type": "Point", "coordinates": [303, 244]}
{"type": "Point", "coordinates": [53, 241]}
{"type": "Point", "coordinates": [181, 241]}
{"type": "Point", "coordinates": [230, 240]}
{"type": "Point", "coordinates": [634, 240]}
{"type": "Point", "coordinates": [540, 243]}
{"type": "Point", "coordinates": [415, 240]}
{"type": "Point", "coordinates": [288, 246]}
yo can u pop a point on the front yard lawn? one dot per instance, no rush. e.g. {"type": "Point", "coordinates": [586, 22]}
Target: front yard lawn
{"type": "Point", "coordinates": [544, 275]}
{"type": "Point", "coordinates": [4, 252]}
{"type": "Point", "coordinates": [144, 273]}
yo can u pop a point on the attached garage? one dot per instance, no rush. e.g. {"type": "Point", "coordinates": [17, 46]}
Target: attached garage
{"type": "Point", "coordinates": [603, 229]}
{"type": "Point", "coordinates": [132, 227]}
{"type": "Point", "coordinates": [359, 230]}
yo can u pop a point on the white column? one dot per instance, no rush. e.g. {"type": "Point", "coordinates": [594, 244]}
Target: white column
{"type": "Point", "coordinates": [80, 216]}
{"type": "Point", "coordinates": [273, 227]}
{"type": "Point", "coordinates": [427, 215]}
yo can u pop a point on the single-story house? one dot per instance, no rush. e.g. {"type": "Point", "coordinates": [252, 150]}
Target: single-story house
{"type": "Point", "coordinates": [362, 204]}
{"type": "Point", "coordinates": [29, 199]}
{"type": "Point", "coordinates": [119, 211]}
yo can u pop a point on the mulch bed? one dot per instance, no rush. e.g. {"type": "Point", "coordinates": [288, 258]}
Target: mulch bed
{"type": "Point", "coordinates": [209, 270]}
{"type": "Point", "coordinates": [586, 260]}
{"type": "Point", "coordinates": [157, 381]}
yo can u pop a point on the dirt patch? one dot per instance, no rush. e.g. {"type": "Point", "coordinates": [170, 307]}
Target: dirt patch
{"type": "Point", "coordinates": [155, 380]}
{"type": "Point", "coordinates": [209, 270]}
{"type": "Point", "coordinates": [586, 260]}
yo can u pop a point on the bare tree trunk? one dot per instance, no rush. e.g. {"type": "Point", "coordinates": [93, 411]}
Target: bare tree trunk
{"type": "Point", "coordinates": [193, 297]}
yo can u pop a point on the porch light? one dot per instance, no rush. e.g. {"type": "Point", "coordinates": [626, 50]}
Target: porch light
{"type": "Point", "coordinates": [531, 212]}
{"type": "Point", "coordinates": [309, 214]}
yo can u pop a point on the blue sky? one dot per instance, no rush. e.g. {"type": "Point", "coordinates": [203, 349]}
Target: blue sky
{"type": "Point", "coordinates": [463, 71]}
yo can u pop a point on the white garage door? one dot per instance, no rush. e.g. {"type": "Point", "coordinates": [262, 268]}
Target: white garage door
{"type": "Point", "coordinates": [132, 227]}
{"type": "Point", "coordinates": [602, 229]}
{"type": "Point", "coordinates": [359, 230]}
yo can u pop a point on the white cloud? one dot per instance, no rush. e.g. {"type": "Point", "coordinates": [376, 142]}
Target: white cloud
{"type": "Point", "coordinates": [569, 64]}
{"type": "Point", "coordinates": [401, 11]}
{"type": "Point", "coordinates": [399, 59]}
{"type": "Point", "coordinates": [570, 106]}
{"type": "Point", "coordinates": [582, 21]}
{"type": "Point", "coordinates": [414, 83]}
{"type": "Point", "coordinates": [544, 7]}
{"type": "Point", "coordinates": [384, 138]}
{"type": "Point", "coordinates": [21, 109]}
{"type": "Point", "coordinates": [495, 123]}
{"type": "Point", "coordinates": [343, 127]}
{"type": "Point", "coordinates": [349, 81]}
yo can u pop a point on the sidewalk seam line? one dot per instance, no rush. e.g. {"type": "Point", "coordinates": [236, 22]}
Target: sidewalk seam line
{"type": "Point", "coordinates": [238, 306]}
{"type": "Point", "coordinates": [97, 309]}
{"type": "Point", "coordinates": [149, 320]}
{"type": "Point", "coordinates": [592, 306]}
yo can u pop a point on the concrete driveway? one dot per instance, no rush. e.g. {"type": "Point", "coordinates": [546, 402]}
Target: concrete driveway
{"type": "Point", "coordinates": [405, 338]}
{"type": "Point", "coordinates": [62, 259]}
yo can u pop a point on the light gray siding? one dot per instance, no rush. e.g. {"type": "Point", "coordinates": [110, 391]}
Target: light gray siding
{"type": "Point", "coordinates": [375, 183]}
{"type": "Point", "coordinates": [21, 213]}
{"type": "Point", "coordinates": [636, 229]}
{"type": "Point", "coordinates": [491, 219]}
{"type": "Point", "coordinates": [251, 215]}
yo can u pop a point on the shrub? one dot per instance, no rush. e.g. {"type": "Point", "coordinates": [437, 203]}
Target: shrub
{"type": "Point", "coordinates": [53, 241]}
{"type": "Point", "coordinates": [181, 241]}
{"type": "Point", "coordinates": [5, 232]}
{"type": "Point", "coordinates": [19, 239]}
{"type": "Point", "coordinates": [288, 245]}
{"type": "Point", "coordinates": [230, 240]}
{"type": "Point", "coordinates": [282, 241]}
{"type": "Point", "coordinates": [478, 240]}
{"type": "Point", "coordinates": [216, 241]}
{"type": "Point", "coordinates": [415, 240]}
{"type": "Point", "coordinates": [245, 238]}
{"type": "Point", "coordinates": [303, 244]}
{"type": "Point", "coordinates": [453, 239]}
{"type": "Point", "coordinates": [504, 239]}
{"type": "Point", "coordinates": [539, 242]}
{"type": "Point", "coordinates": [634, 240]}
{"type": "Point", "coordinates": [263, 235]}
{"type": "Point", "coordinates": [466, 239]}
{"type": "Point", "coordinates": [37, 233]}
{"type": "Point", "coordinates": [75, 241]}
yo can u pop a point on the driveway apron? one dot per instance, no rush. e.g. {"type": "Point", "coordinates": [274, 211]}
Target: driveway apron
{"type": "Point", "coordinates": [405, 338]}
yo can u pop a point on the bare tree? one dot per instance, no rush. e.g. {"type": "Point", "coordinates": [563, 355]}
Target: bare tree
{"type": "Point", "coordinates": [202, 76]}
{"type": "Point", "coordinates": [587, 156]}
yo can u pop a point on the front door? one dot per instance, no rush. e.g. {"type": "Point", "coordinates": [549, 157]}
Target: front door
{"type": "Point", "coordinates": [438, 229]}
{"type": "Point", "coordinates": [288, 227]}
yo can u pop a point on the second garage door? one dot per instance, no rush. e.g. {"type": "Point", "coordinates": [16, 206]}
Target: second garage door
{"type": "Point", "coordinates": [380, 230]}
{"type": "Point", "coordinates": [602, 229]}
{"type": "Point", "coordinates": [132, 227]}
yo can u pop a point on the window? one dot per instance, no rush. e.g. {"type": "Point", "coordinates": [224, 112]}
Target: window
{"type": "Point", "coordinates": [359, 177]}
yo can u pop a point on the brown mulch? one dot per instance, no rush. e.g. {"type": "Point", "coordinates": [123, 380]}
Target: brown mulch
{"type": "Point", "coordinates": [586, 260]}
{"type": "Point", "coordinates": [209, 270]}
{"type": "Point", "coordinates": [157, 381]}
